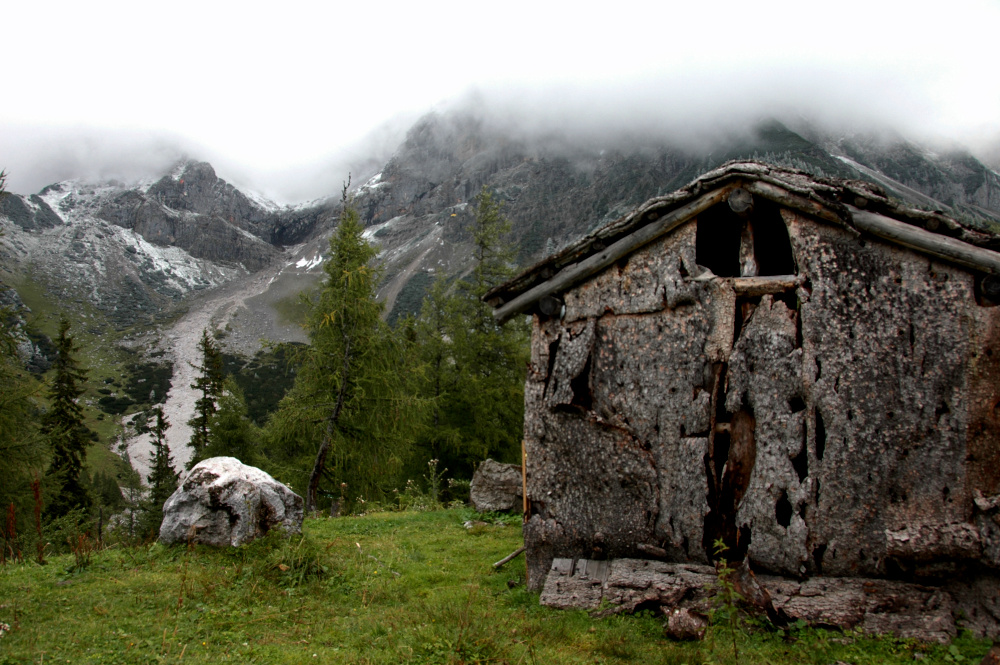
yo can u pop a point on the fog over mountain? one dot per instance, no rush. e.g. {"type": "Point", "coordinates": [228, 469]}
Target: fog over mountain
{"type": "Point", "coordinates": [286, 101]}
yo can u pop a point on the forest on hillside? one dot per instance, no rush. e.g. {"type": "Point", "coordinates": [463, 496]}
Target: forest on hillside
{"type": "Point", "coordinates": [367, 411]}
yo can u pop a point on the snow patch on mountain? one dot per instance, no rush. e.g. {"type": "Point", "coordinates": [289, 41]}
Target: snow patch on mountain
{"type": "Point", "coordinates": [370, 185]}
{"type": "Point", "coordinates": [261, 201]}
{"type": "Point", "coordinates": [309, 264]}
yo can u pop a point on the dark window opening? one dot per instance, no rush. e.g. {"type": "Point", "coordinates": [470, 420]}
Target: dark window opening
{"type": "Point", "coordinates": [743, 539]}
{"type": "Point", "coordinates": [789, 298]}
{"type": "Point", "coordinates": [771, 246]}
{"type": "Point", "coordinates": [717, 243]}
{"type": "Point", "coordinates": [744, 310]}
{"type": "Point", "coordinates": [818, 553]}
{"type": "Point", "coordinates": [580, 386]}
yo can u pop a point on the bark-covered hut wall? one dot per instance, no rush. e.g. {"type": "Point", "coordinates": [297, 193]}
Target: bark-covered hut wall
{"type": "Point", "coordinates": [839, 422]}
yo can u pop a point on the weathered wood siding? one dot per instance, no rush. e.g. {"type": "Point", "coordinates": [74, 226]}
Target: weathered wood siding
{"type": "Point", "coordinates": [808, 429]}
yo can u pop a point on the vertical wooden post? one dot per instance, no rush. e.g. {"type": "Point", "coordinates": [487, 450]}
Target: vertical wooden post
{"type": "Point", "coordinates": [524, 496]}
{"type": "Point", "coordinates": [524, 482]}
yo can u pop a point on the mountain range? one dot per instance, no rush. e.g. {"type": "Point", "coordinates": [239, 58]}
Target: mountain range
{"type": "Point", "coordinates": [131, 254]}
{"type": "Point", "coordinates": [141, 268]}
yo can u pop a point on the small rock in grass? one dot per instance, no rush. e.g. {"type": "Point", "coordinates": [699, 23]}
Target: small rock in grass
{"type": "Point", "coordinates": [685, 624]}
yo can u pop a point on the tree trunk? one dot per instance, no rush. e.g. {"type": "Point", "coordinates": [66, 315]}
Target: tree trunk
{"type": "Point", "coordinates": [331, 426]}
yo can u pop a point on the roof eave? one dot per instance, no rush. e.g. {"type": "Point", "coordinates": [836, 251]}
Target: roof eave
{"type": "Point", "coordinates": [836, 202]}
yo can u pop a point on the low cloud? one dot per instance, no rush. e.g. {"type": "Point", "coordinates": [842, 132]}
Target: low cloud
{"type": "Point", "coordinates": [36, 156]}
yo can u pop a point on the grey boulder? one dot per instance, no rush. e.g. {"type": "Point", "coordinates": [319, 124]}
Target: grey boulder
{"type": "Point", "coordinates": [496, 487]}
{"type": "Point", "coordinates": [224, 502]}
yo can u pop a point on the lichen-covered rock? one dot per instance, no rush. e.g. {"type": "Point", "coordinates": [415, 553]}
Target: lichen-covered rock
{"type": "Point", "coordinates": [224, 502]}
{"type": "Point", "coordinates": [685, 624]}
{"type": "Point", "coordinates": [496, 487]}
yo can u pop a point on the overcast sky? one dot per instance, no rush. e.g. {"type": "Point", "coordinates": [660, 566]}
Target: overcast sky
{"type": "Point", "coordinates": [279, 96]}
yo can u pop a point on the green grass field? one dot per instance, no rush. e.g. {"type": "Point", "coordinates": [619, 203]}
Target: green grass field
{"type": "Point", "coordinates": [390, 587]}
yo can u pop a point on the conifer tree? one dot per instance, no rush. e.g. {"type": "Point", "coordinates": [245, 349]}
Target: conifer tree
{"type": "Point", "coordinates": [21, 446]}
{"type": "Point", "coordinates": [470, 370]}
{"type": "Point", "coordinates": [231, 432]}
{"type": "Point", "coordinates": [210, 384]}
{"type": "Point", "coordinates": [348, 407]}
{"type": "Point", "coordinates": [436, 378]}
{"type": "Point", "coordinates": [64, 428]}
{"type": "Point", "coordinates": [107, 492]}
{"type": "Point", "coordinates": [162, 478]}
{"type": "Point", "coordinates": [490, 360]}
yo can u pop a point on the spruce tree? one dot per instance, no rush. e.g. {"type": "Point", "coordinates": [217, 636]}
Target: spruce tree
{"type": "Point", "coordinates": [210, 384]}
{"type": "Point", "coordinates": [64, 428]}
{"type": "Point", "coordinates": [162, 478]}
{"type": "Point", "coordinates": [231, 432]}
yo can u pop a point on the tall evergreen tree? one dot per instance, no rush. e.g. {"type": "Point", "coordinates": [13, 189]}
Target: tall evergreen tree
{"type": "Point", "coordinates": [436, 378]}
{"type": "Point", "coordinates": [490, 360]}
{"type": "Point", "coordinates": [471, 370]}
{"type": "Point", "coordinates": [21, 447]}
{"type": "Point", "coordinates": [231, 432]}
{"type": "Point", "coordinates": [349, 406]}
{"type": "Point", "coordinates": [63, 426]}
{"type": "Point", "coordinates": [210, 383]}
{"type": "Point", "coordinates": [162, 478]}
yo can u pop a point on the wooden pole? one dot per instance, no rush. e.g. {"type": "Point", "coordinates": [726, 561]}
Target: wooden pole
{"type": "Point", "coordinates": [524, 482]}
{"type": "Point", "coordinates": [575, 273]}
{"type": "Point", "coordinates": [794, 201]}
{"type": "Point", "coordinates": [759, 286]}
{"type": "Point", "coordinates": [938, 246]}
{"type": "Point", "coordinates": [510, 557]}
{"type": "Point", "coordinates": [741, 202]}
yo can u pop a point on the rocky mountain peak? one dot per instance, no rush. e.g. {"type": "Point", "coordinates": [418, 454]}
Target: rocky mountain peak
{"type": "Point", "coordinates": [133, 250]}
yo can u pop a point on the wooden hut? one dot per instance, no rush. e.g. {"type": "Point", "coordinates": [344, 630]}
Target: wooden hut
{"type": "Point", "coordinates": [799, 368]}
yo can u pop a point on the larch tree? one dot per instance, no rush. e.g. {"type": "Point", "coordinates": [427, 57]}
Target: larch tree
{"type": "Point", "coordinates": [349, 406]}
{"type": "Point", "coordinates": [22, 449]}
{"type": "Point", "coordinates": [209, 383]}
{"type": "Point", "coordinates": [490, 360]}
{"type": "Point", "coordinates": [436, 379]}
{"type": "Point", "coordinates": [64, 428]}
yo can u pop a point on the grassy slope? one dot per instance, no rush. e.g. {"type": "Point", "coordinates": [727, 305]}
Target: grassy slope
{"type": "Point", "coordinates": [398, 588]}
